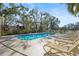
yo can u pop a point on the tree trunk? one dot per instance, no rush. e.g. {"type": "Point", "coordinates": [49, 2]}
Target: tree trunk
{"type": "Point", "coordinates": [1, 22]}
{"type": "Point", "coordinates": [0, 26]}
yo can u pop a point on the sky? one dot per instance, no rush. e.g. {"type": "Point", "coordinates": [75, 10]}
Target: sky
{"type": "Point", "coordinates": [55, 9]}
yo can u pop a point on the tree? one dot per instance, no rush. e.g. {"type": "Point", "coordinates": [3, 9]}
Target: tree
{"type": "Point", "coordinates": [77, 25]}
{"type": "Point", "coordinates": [45, 21]}
{"type": "Point", "coordinates": [14, 9]}
{"type": "Point", "coordinates": [1, 18]}
{"type": "Point", "coordinates": [48, 22]}
{"type": "Point", "coordinates": [73, 8]}
{"type": "Point", "coordinates": [70, 26]}
{"type": "Point", "coordinates": [1, 5]}
{"type": "Point", "coordinates": [34, 16]}
{"type": "Point", "coordinates": [54, 23]}
{"type": "Point", "coordinates": [10, 19]}
{"type": "Point", "coordinates": [1, 23]}
{"type": "Point", "coordinates": [33, 20]}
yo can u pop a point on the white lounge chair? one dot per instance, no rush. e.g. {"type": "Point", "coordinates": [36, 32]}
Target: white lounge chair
{"type": "Point", "coordinates": [72, 39]}
{"type": "Point", "coordinates": [67, 49]}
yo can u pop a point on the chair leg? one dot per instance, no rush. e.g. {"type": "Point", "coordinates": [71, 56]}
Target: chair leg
{"type": "Point", "coordinates": [73, 52]}
{"type": "Point", "coordinates": [49, 53]}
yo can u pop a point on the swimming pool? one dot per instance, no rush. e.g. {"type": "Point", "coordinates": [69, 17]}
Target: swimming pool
{"type": "Point", "coordinates": [32, 36]}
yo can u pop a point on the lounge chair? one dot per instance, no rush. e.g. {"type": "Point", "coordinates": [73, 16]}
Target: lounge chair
{"type": "Point", "coordinates": [66, 49]}
{"type": "Point", "coordinates": [72, 39]}
{"type": "Point", "coordinates": [66, 36]}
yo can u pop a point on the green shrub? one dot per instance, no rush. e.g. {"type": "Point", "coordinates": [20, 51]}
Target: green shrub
{"type": "Point", "coordinates": [58, 31]}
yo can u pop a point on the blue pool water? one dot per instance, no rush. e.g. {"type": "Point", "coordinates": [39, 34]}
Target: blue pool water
{"type": "Point", "coordinates": [32, 36]}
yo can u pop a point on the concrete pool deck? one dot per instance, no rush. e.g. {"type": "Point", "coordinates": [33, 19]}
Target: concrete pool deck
{"type": "Point", "coordinates": [12, 46]}
{"type": "Point", "coordinates": [16, 47]}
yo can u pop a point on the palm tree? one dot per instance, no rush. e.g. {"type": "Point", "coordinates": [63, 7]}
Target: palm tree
{"type": "Point", "coordinates": [73, 8]}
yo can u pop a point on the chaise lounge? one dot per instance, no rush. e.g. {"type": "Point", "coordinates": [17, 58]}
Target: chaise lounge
{"type": "Point", "coordinates": [62, 47]}
{"type": "Point", "coordinates": [71, 39]}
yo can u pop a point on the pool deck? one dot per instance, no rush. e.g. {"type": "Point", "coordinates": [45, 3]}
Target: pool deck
{"type": "Point", "coordinates": [11, 46]}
